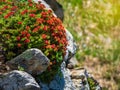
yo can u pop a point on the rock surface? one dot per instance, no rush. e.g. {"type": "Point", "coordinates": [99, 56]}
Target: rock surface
{"type": "Point", "coordinates": [69, 85]}
{"type": "Point", "coordinates": [32, 61]}
{"type": "Point", "coordinates": [18, 80]}
{"type": "Point", "coordinates": [72, 63]}
{"type": "Point", "coordinates": [56, 7]}
{"type": "Point", "coordinates": [59, 82]}
{"type": "Point", "coordinates": [83, 80]}
{"type": "Point", "coordinates": [71, 48]}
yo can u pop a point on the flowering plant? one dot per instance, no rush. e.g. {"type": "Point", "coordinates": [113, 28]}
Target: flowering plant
{"type": "Point", "coordinates": [27, 25]}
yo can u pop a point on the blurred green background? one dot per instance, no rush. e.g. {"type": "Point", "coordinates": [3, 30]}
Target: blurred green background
{"type": "Point", "coordinates": [95, 25]}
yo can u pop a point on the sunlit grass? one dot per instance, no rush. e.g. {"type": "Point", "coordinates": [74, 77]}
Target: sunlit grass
{"type": "Point", "coordinates": [95, 25]}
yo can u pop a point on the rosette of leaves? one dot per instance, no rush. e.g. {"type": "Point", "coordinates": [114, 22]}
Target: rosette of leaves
{"type": "Point", "coordinates": [27, 25]}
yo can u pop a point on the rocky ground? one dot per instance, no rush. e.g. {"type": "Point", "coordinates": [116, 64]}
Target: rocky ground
{"type": "Point", "coordinates": [77, 75]}
{"type": "Point", "coordinates": [95, 68]}
{"type": "Point", "coordinates": [100, 71]}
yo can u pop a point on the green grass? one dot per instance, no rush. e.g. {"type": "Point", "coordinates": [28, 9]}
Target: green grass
{"type": "Point", "coordinates": [95, 25]}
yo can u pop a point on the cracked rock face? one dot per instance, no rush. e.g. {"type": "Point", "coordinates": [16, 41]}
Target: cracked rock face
{"type": "Point", "coordinates": [18, 80]}
{"type": "Point", "coordinates": [33, 61]}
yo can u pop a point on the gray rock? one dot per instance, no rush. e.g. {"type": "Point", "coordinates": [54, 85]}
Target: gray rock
{"type": "Point", "coordinates": [82, 78]}
{"type": "Point", "coordinates": [56, 7]}
{"type": "Point", "coordinates": [18, 80]}
{"type": "Point", "coordinates": [60, 82]}
{"type": "Point", "coordinates": [89, 78]}
{"type": "Point", "coordinates": [68, 82]}
{"type": "Point", "coordinates": [71, 48]}
{"type": "Point", "coordinates": [32, 61]}
{"type": "Point", "coordinates": [72, 63]}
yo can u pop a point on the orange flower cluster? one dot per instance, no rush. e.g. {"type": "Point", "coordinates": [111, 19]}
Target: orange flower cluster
{"type": "Point", "coordinates": [31, 25]}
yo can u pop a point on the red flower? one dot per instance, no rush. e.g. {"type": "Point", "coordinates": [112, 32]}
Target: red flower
{"type": "Point", "coordinates": [19, 45]}
{"type": "Point", "coordinates": [27, 27]}
{"type": "Point", "coordinates": [53, 46]}
{"type": "Point", "coordinates": [29, 1]}
{"type": "Point", "coordinates": [14, 8]}
{"type": "Point", "coordinates": [40, 6]}
{"type": "Point", "coordinates": [19, 22]}
{"type": "Point", "coordinates": [61, 33]}
{"type": "Point", "coordinates": [10, 13]}
{"type": "Point", "coordinates": [44, 36]}
{"type": "Point", "coordinates": [58, 39]}
{"type": "Point", "coordinates": [44, 14]}
{"type": "Point", "coordinates": [48, 46]}
{"type": "Point", "coordinates": [45, 28]}
{"type": "Point", "coordinates": [24, 33]}
{"type": "Point", "coordinates": [47, 42]}
{"type": "Point", "coordinates": [18, 38]}
{"type": "Point", "coordinates": [0, 13]}
{"type": "Point", "coordinates": [53, 34]}
{"type": "Point", "coordinates": [28, 35]}
{"type": "Point", "coordinates": [38, 27]}
{"type": "Point", "coordinates": [30, 4]}
{"type": "Point", "coordinates": [35, 29]}
{"type": "Point", "coordinates": [39, 20]}
{"type": "Point", "coordinates": [27, 41]}
{"type": "Point", "coordinates": [52, 28]}
{"type": "Point", "coordinates": [6, 16]}
{"type": "Point", "coordinates": [6, 7]}
{"type": "Point", "coordinates": [32, 15]}
{"type": "Point", "coordinates": [50, 22]}
{"type": "Point", "coordinates": [49, 11]}
{"type": "Point", "coordinates": [24, 11]}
